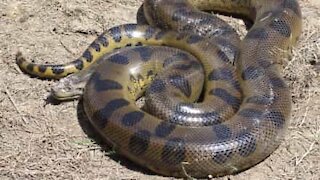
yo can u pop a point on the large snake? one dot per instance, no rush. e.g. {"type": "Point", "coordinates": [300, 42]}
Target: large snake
{"type": "Point", "coordinates": [196, 140]}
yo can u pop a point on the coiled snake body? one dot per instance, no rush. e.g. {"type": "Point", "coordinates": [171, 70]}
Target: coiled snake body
{"type": "Point", "coordinates": [196, 139]}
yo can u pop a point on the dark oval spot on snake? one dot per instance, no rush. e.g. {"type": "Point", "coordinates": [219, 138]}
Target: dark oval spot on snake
{"type": "Point", "coordinates": [222, 56]}
{"type": "Point", "coordinates": [87, 55]}
{"type": "Point", "coordinates": [210, 118]}
{"type": "Point", "coordinates": [102, 116]}
{"type": "Point", "coordinates": [264, 62]}
{"type": "Point", "coordinates": [220, 74]}
{"type": "Point", "coordinates": [277, 118]}
{"type": "Point", "coordinates": [139, 44]}
{"type": "Point", "coordinates": [119, 59]}
{"type": "Point", "coordinates": [229, 52]}
{"type": "Point", "coordinates": [164, 129]}
{"type": "Point", "coordinates": [115, 32]}
{"type": "Point", "coordinates": [140, 78]}
{"type": "Point", "coordinates": [132, 118]}
{"type": "Point", "coordinates": [174, 151]}
{"type": "Point", "coordinates": [157, 86]}
{"type": "Point", "coordinates": [57, 69]}
{"type": "Point", "coordinates": [181, 83]}
{"type": "Point", "coordinates": [252, 72]}
{"type": "Point", "coordinates": [278, 82]}
{"type": "Point", "coordinates": [144, 52]}
{"type": "Point", "coordinates": [168, 61]}
{"type": "Point", "coordinates": [183, 67]}
{"type": "Point", "coordinates": [186, 67]}
{"type": "Point", "coordinates": [95, 46]}
{"type": "Point", "coordinates": [78, 64]}
{"type": "Point", "coordinates": [206, 20]}
{"type": "Point", "coordinates": [174, 59]}
{"type": "Point", "coordinates": [257, 33]}
{"type": "Point", "coordinates": [281, 26]}
{"type": "Point", "coordinates": [221, 156]}
{"type": "Point", "coordinates": [195, 64]}
{"type": "Point", "coordinates": [42, 68]}
{"type": "Point", "coordinates": [132, 78]}
{"type": "Point", "coordinates": [101, 85]}
{"type": "Point", "coordinates": [232, 101]}
{"type": "Point", "coordinates": [150, 74]}
{"type": "Point", "coordinates": [129, 29]}
{"type": "Point", "coordinates": [149, 33]}
{"type": "Point", "coordinates": [103, 40]}
{"type": "Point", "coordinates": [30, 67]}
{"type": "Point", "coordinates": [139, 142]}
{"type": "Point", "coordinates": [247, 143]}
{"type": "Point", "coordinates": [222, 132]}
{"type": "Point", "coordinates": [250, 113]}
{"type": "Point", "coordinates": [192, 39]}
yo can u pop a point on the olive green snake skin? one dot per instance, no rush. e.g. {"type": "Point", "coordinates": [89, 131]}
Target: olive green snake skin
{"type": "Point", "coordinates": [243, 111]}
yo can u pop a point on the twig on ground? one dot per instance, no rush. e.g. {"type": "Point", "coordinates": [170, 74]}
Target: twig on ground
{"type": "Point", "coordinates": [67, 49]}
{"type": "Point", "coordinates": [306, 154]}
{"type": "Point", "coordinates": [15, 105]}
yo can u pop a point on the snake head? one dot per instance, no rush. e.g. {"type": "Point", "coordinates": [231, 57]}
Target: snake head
{"type": "Point", "coordinates": [68, 88]}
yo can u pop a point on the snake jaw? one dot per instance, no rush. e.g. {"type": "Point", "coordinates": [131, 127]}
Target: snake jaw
{"type": "Point", "coordinates": [67, 89]}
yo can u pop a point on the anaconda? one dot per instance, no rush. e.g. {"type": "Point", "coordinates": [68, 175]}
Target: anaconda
{"type": "Point", "coordinates": [247, 108]}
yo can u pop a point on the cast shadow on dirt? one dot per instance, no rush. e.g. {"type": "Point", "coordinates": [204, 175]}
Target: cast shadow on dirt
{"type": "Point", "coordinates": [108, 150]}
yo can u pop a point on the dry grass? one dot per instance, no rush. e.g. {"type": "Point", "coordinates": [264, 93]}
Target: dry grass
{"type": "Point", "coordinates": [53, 141]}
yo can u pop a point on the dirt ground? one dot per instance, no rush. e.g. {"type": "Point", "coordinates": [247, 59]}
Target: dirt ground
{"type": "Point", "coordinates": [41, 140]}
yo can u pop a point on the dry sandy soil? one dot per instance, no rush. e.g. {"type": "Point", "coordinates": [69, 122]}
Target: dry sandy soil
{"type": "Point", "coordinates": [41, 140]}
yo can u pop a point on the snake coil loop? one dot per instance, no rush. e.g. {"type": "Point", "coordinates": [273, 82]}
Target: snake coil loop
{"type": "Point", "coordinates": [245, 108]}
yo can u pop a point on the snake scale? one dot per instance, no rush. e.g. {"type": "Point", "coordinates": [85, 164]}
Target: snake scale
{"type": "Point", "coordinates": [245, 108]}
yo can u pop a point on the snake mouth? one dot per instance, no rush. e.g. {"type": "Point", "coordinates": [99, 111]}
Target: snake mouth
{"type": "Point", "coordinates": [67, 89]}
{"type": "Point", "coordinates": [67, 95]}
